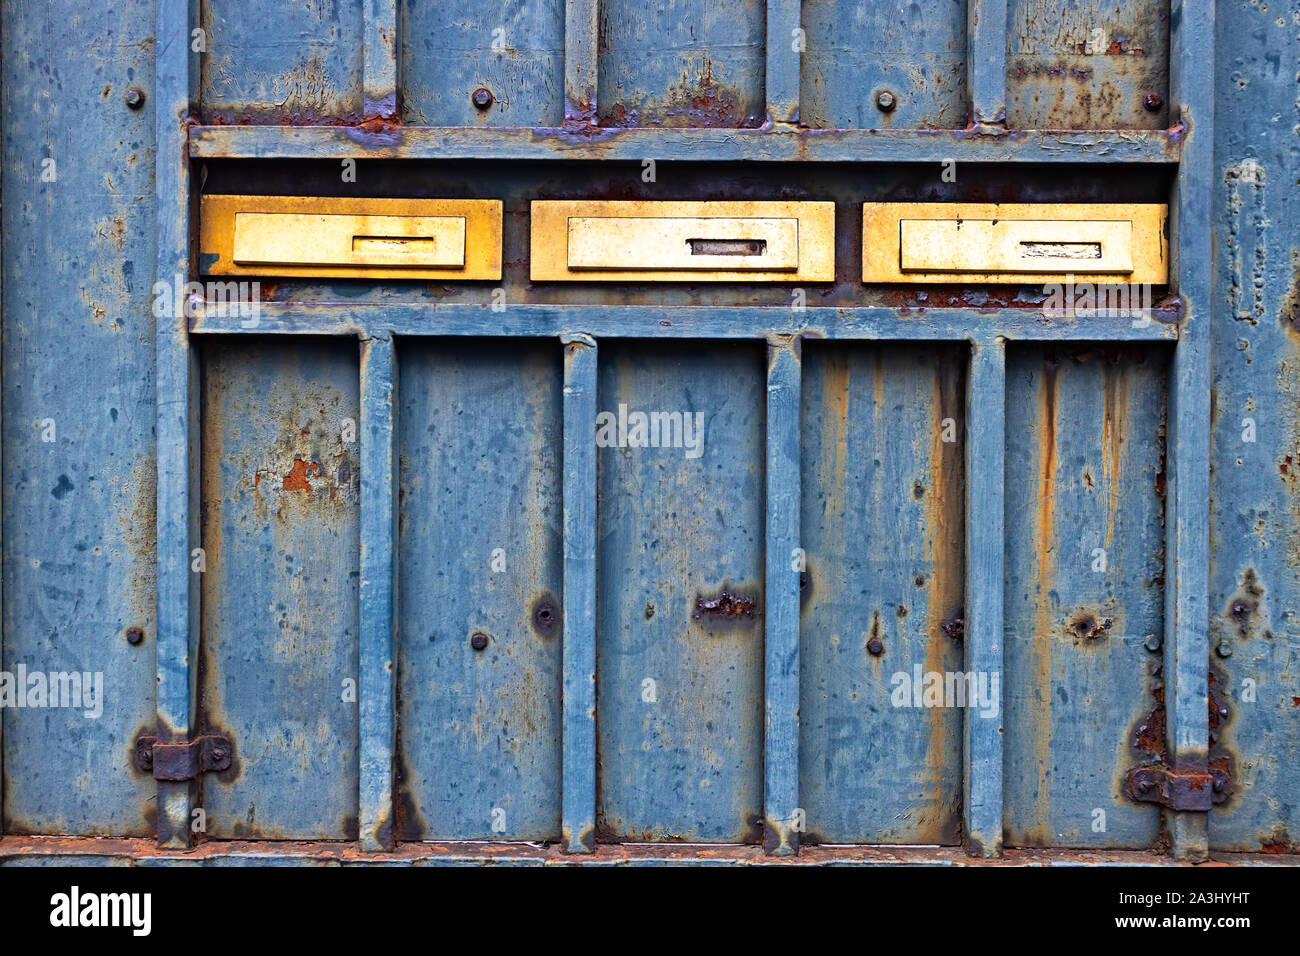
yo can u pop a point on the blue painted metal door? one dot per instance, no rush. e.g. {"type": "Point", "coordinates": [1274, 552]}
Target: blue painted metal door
{"type": "Point", "coordinates": [372, 539]}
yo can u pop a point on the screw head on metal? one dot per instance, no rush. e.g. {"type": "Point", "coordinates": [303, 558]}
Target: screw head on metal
{"type": "Point", "coordinates": [886, 101]}
{"type": "Point", "coordinates": [134, 636]}
{"type": "Point", "coordinates": [1153, 102]}
{"type": "Point", "coordinates": [478, 641]}
{"type": "Point", "coordinates": [875, 647]}
{"type": "Point", "coordinates": [218, 753]}
{"type": "Point", "coordinates": [481, 98]}
{"type": "Point", "coordinates": [1152, 643]}
{"type": "Point", "coordinates": [134, 98]}
{"type": "Point", "coordinates": [1224, 649]}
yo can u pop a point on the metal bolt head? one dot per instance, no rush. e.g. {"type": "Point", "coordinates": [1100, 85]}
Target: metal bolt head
{"type": "Point", "coordinates": [134, 98]}
{"type": "Point", "coordinates": [134, 636]}
{"type": "Point", "coordinates": [886, 101]}
{"type": "Point", "coordinates": [1224, 649]}
{"type": "Point", "coordinates": [1152, 643]}
{"type": "Point", "coordinates": [1153, 102]}
{"type": "Point", "coordinates": [478, 641]}
{"type": "Point", "coordinates": [218, 753]}
{"type": "Point", "coordinates": [481, 98]}
{"type": "Point", "coordinates": [875, 647]}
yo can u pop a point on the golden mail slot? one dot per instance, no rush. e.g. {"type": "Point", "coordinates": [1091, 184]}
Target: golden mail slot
{"type": "Point", "coordinates": [683, 241]}
{"type": "Point", "coordinates": [348, 237]}
{"type": "Point", "coordinates": [278, 238]}
{"type": "Point", "coordinates": [1014, 242]}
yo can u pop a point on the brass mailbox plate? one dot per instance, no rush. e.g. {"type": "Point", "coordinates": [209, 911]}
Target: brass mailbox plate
{"type": "Point", "coordinates": [350, 237]}
{"type": "Point", "coordinates": [653, 241]}
{"type": "Point", "coordinates": [1015, 242]}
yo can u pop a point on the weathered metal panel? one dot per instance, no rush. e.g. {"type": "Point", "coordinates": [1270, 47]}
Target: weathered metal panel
{"type": "Point", "coordinates": [687, 63]}
{"type": "Point", "coordinates": [679, 659]}
{"type": "Point", "coordinates": [1084, 597]}
{"type": "Point", "coordinates": [1087, 64]}
{"type": "Point", "coordinates": [858, 53]}
{"type": "Point", "coordinates": [78, 410]}
{"type": "Point", "coordinates": [479, 555]}
{"type": "Point", "coordinates": [515, 51]}
{"type": "Point", "coordinates": [1254, 601]}
{"type": "Point", "coordinates": [281, 63]}
{"type": "Point", "coordinates": [281, 534]}
{"type": "Point", "coordinates": [882, 527]}
{"type": "Point", "coordinates": [686, 688]}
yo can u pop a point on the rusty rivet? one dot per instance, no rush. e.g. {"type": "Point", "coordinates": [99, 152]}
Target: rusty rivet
{"type": "Point", "coordinates": [886, 101]}
{"type": "Point", "coordinates": [218, 753]}
{"type": "Point", "coordinates": [134, 98]}
{"type": "Point", "coordinates": [481, 98]}
{"type": "Point", "coordinates": [1218, 785]}
{"type": "Point", "coordinates": [1144, 785]}
{"type": "Point", "coordinates": [1152, 643]}
{"type": "Point", "coordinates": [1224, 649]}
{"type": "Point", "coordinates": [1153, 102]}
{"type": "Point", "coordinates": [134, 636]}
{"type": "Point", "coordinates": [875, 647]}
{"type": "Point", "coordinates": [478, 641]}
{"type": "Point", "coordinates": [146, 758]}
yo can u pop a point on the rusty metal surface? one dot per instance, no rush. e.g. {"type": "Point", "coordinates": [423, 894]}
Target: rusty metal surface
{"type": "Point", "coordinates": [79, 479]}
{"type": "Point", "coordinates": [857, 53]}
{"type": "Point", "coordinates": [882, 524]}
{"type": "Point", "coordinates": [687, 64]}
{"type": "Point", "coordinates": [1084, 596]}
{"type": "Point", "coordinates": [679, 680]}
{"type": "Point", "coordinates": [17, 850]}
{"type": "Point", "coordinates": [1254, 599]}
{"type": "Point", "coordinates": [479, 619]}
{"type": "Point", "coordinates": [279, 644]}
{"type": "Point", "coordinates": [744, 101]}
{"type": "Point", "coordinates": [1087, 64]}
{"type": "Point", "coordinates": [281, 62]}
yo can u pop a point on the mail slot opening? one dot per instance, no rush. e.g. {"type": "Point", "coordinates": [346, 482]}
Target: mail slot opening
{"type": "Point", "coordinates": [727, 247]}
{"type": "Point", "coordinates": [1061, 250]}
{"type": "Point", "coordinates": [402, 245]}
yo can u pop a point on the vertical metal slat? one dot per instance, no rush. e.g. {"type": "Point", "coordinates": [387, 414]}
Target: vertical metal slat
{"type": "Point", "coordinates": [177, 410]}
{"type": "Point", "coordinates": [578, 799]}
{"type": "Point", "coordinates": [1187, 498]}
{"type": "Point", "coordinates": [985, 468]}
{"type": "Point", "coordinates": [781, 816]}
{"type": "Point", "coordinates": [986, 61]}
{"type": "Point", "coordinates": [580, 62]}
{"type": "Point", "coordinates": [785, 40]}
{"type": "Point", "coordinates": [379, 58]}
{"type": "Point", "coordinates": [378, 593]}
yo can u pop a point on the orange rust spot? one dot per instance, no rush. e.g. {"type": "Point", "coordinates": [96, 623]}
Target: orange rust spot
{"type": "Point", "coordinates": [299, 475]}
{"type": "Point", "coordinates": [380, 124]}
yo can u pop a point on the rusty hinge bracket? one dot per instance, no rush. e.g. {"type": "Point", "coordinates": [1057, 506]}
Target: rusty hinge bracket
{"type": "Point", "coordinates": [1179, 789]}
{"type": "Point", "coordinates": [185, 760]}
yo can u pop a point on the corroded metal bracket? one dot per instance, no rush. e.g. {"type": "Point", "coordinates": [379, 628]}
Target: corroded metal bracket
{"type": "Point", "coordinates": [183, 761]}
{"type": "Point", "coordinates": [1179, 790]}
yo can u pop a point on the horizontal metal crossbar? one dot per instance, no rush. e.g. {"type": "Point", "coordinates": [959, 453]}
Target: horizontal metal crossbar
{"type": "Point", "coordinates": [689, 322]}
{"type": "Point", "coordinates": [774, 144]}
